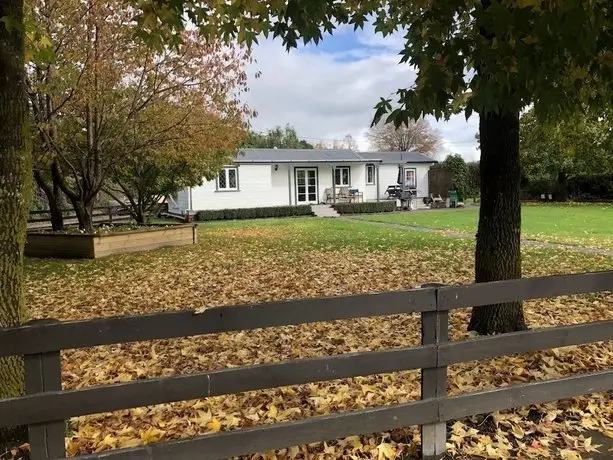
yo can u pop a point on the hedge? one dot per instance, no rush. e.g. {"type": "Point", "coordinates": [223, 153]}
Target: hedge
{"type": "Point", "coordinates": [577, 188]}
{"type": "Point", "coordinates": [363, 208]}
{"type": "Point", "coordinates": [254, 213]}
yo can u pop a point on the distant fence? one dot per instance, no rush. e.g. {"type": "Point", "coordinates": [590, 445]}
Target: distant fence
{"type": "Point", "coordinates": [100, 214]}
{"type": "Point", "coordinates": [46, 405]}
{"type": "Point", "coordinates": [440, 181]}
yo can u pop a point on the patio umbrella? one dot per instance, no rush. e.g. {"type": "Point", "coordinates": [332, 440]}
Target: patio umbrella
{"type": "Point", "coordinates": [399, 181]}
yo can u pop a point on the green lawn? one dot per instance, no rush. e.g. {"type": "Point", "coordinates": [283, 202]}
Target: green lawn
{"type": "Point", "coordinates": [581, 224]}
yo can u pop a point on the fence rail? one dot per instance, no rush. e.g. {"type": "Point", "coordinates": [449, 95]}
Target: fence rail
{"type": "Point", "coordinates": [46, 406]}
{"type": "Point", "coordinates": [105, 214]}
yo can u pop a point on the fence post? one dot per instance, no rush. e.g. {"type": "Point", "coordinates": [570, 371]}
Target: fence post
{"type": "Point", "coordinates": [434, 330]}
{"type": "Point", "coordinates": [43, 373]}
{"type": "Point", "coordinates": [110, 210]}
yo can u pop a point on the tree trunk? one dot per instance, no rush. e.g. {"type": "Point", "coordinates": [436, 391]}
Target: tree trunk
{"type": "Point", "coordinates": [561, 191]}
{"type": "Point", "coordinates": [54, 198]}
{"type": "Point", "coordinates": [498, 255]}
{"type": "Point", "coordinates": [15, 197]}
{"type": "Point", "coordinates": [84, 212]}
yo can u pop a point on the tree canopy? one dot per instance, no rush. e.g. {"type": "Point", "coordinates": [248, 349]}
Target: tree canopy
{"type": "Point", "coordinates": [108, 107]}
{"type": "Point", "coordinates": [414, 135]}
{"type": "Point", "coordinates": [580, 144]}
{"type": "Point", "coordinates": [281, 138]}
{"type": "Point", "coordinates": [478, 56]}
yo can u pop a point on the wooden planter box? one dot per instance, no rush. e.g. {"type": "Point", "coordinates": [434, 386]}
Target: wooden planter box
{"type": "Point", "coordinates": [81, 246]}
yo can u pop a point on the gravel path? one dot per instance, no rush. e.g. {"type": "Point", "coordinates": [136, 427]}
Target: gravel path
{"type": "Point", "coordinates": [457, 234]}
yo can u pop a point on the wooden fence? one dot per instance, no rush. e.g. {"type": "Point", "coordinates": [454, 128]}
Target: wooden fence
{"type": "Point", "coordinates": [46, 406]}
{"type": "Point", "coordinates": [101, 214]}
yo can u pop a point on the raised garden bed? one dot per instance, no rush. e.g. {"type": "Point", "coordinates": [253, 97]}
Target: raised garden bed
{"type": "Point", "coordinates": [94, 246]}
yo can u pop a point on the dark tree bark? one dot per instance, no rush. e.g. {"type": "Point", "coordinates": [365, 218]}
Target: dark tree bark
{"type": "Point", "coordinates": [497, 255]}
{"type": "Point", "coordinates": [82, 201]}
{"type": "Point", "coordinates": [84, 212]}
{"type": "Point", "coordinates": [54, 198]}
{"type": "Point", "coordinates": [15, 196]}
{"type": "Point", "coordinates": [561, 190]}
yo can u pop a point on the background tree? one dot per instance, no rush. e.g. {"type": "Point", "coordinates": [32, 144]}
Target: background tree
{"type": "Point", "coordinates": [347, 143]}
{"type": "Point", "coordinates": [488, 57]}
{"type": "Point", "coordinates": [416, 135]}
{"type": "Point", "coordinates": [456, 164]}
{"type": "Point", "coordinates": [553, 152]}
{"type": "Point", "coordinates": [172, 146]}
{"type": "Point", "coordinates": [15, 195]}
{"type": "Point", "coordinates": [49, 25]}
{"type": "Point", "coordinates": [473, 179]}
{"type": "Point", "coordinates": [281, 138]}
{"type": "Point", "coordinates": [105, 78]}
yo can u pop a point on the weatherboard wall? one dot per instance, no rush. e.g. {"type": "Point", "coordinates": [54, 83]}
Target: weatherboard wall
{"type": "Point", "coordinates": [261, 185]}
{"type": "Point", "coordinates": [258, 186]}
{"type": "Point", "coordinates": [388, 175]}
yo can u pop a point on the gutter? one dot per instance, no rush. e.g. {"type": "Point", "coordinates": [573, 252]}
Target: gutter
{"type": "Point", "coordinates": [305, 161]}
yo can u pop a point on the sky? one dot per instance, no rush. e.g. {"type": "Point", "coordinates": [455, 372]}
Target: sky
{"type": "Point", "coordinates": [330, 90]}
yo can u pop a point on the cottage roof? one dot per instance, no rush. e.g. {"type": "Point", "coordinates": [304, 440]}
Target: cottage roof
{"type": "Point", "coordinates": [251, 155]}
{"type": "Point", "coordinates": [404, 157]}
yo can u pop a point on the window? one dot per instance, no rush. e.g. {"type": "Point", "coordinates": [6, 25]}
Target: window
{"type": "Point", "coordinates": [370, 174]}
{"type": "Point", "coordinates": [341, 176]}
{"type": "Point", "coordinates": [410, 178]}
{"type": "Point", "coordinates": [228, 179]}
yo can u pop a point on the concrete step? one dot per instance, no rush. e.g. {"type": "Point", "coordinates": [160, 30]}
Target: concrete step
{"type": "Point", "coordinates": [324, 210]}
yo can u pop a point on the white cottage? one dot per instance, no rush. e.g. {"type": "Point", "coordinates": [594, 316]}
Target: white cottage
{"type": "Point", "coordinates": [281, 177]}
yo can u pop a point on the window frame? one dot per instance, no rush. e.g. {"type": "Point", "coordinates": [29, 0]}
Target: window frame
{"type": "Point", "coordinates": [340, 168]}
{"type": "Point", "coordinates": [414, 177]}
{"type": "Point", "coordinates": [374, 175]}
{"type": "Point", "coordinates": [226, 171]}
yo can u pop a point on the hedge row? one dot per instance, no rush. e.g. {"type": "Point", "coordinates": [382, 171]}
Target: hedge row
{"type": "Point", "coordinates": [578, 188]}
{"type": "Point", "coordinates": [363, 208]}
{"type": "Point", "coordinates": [254, 213]}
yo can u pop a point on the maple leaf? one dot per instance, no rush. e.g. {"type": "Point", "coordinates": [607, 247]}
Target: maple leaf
{"type": "Point", "coordinates": [386, 450]}
{"type": "Point", "coordinates": [272, 411]}
{"type": "Point", "coordinates": [567, 454]}
{"type": "Point", "coordinates": [517, 431]}
{"type": "Point", "coordinates": [214, 425]}
{"type": "Point", "coordinates": [151, 435]}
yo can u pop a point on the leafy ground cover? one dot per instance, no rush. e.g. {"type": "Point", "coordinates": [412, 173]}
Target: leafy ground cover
{"type": "Point", "coordinates": [578, 224]}
{"type": "Point", "coordinates": [306, 257]}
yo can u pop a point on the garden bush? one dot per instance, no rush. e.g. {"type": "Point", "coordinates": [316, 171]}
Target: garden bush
{"type": "Point", "coordinates": [364, 208]}
{"type": "Point", "coordinates": [254, 213]}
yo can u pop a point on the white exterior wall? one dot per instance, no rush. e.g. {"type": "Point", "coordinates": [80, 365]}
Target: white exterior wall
{"type": "Point", "coordinates": [179, 203]}
{"type": "Point", "coordinates": [357, 177]}
{"type": "Point", "coordinates": [388, 175]}
{"type": "Point", "coordinates": [370, 190]}
{"type": "Point", "coordinates": [422, 179]}
{"type": "Point", "coordinates": [261, 185]}
{"type": "Point", "coordinates": [258, 186]}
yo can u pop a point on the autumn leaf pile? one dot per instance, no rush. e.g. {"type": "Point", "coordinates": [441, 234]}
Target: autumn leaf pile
{"type": "Point", "coordinates": [294, 258]}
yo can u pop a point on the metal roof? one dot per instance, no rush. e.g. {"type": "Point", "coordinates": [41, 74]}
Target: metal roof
{"type": "Point", "coordinates": [404, 157]}
{"type": "Point", "coordinates": [299, 156]}
{"type": "Point", "coordinates": [327, 156]}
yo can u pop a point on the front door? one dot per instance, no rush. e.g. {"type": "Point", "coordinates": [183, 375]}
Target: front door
{"type": "Point", "coordinates": [306, 185]}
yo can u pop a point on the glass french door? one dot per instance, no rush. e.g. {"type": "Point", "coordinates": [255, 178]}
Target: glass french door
{"type": "Point", "coordinates": [306, 185]}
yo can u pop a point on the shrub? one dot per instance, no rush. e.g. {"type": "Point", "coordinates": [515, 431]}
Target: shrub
{"type": "Point", "coordinates": [363, 208]}
{"type": "Point", "coordinates": [253, 213]}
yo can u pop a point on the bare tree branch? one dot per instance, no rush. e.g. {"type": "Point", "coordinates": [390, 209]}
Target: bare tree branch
{"type": "Point", "coordinates": [417, 136]}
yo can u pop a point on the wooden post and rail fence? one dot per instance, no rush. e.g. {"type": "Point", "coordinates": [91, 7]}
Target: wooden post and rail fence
{"type": "Point", "coordinates": [46, 406]}
{"type": "Point", "coordinates": [103, 214]}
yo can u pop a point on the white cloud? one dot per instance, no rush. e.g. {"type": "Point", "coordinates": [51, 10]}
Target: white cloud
{"type": "Point", "coordinates": [330, 92]}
